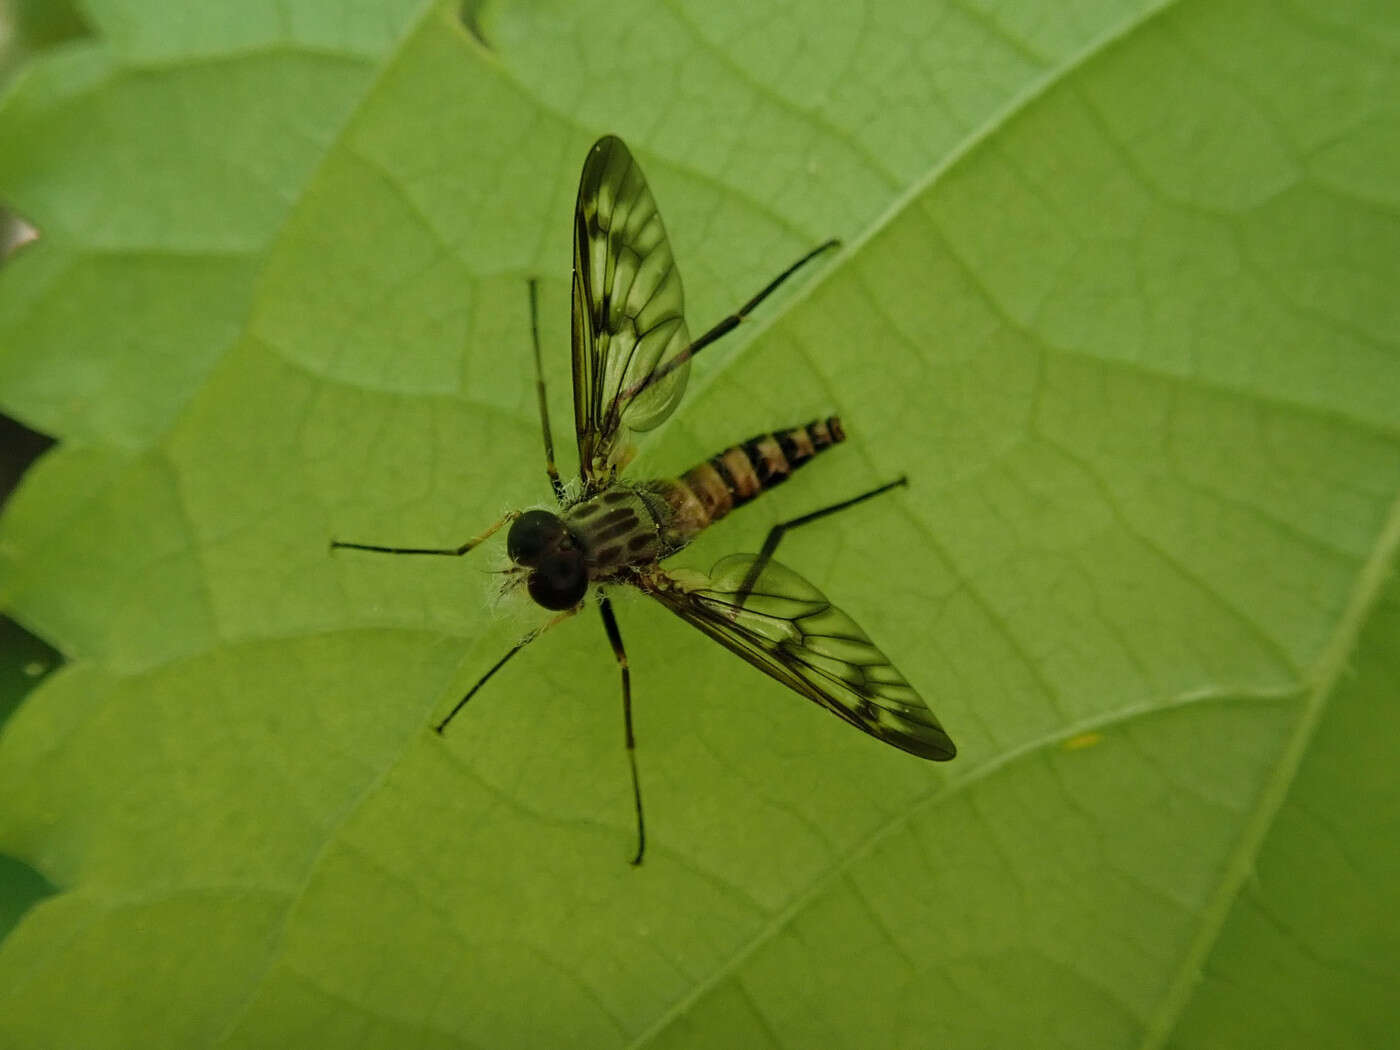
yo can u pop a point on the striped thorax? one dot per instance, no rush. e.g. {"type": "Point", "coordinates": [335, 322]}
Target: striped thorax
{"type": "Point", "coordinates": [631, 526]}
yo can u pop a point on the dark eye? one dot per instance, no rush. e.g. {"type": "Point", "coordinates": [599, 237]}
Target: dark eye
{"type": "Point", "coordinates": [560, 581]}
{"type": "Point", "coordinates": [533, 533]}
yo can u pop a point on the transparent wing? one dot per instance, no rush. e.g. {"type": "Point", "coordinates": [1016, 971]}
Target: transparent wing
{"type": "Point", "coordinates": [788, 629]}
{"type": "Point", "coordinates": [628, 312]}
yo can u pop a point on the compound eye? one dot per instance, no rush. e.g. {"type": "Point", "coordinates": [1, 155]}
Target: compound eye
{"type": "Point", "coordinates": [560, 581]}
{"type": "Point", "coordinates": [531, 535]}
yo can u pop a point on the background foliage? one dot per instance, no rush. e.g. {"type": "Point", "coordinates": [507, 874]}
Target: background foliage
{"type": "Point", "coordinates": [1117, 293]}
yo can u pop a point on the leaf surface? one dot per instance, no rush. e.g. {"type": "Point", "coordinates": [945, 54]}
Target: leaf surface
{"type": "Point", "coordinates": [1117, 295]}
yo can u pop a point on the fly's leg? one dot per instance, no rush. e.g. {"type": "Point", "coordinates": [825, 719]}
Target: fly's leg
{"type": "Point", "coordinates": [729, 323]}
{"type": "Point", "coordinates": [615, 637]}
{"type": "Point", "coordinates": [549, 466]}
{"type": "Point", "coordinates": [455, 552]}
{"type": "Point", "coordinates": [777, 532]}
{"type": "Point", "coordinates": [498, 665]}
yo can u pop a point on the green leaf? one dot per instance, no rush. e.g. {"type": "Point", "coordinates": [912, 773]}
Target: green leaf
{"type": "Point", "coordinates": [1117, 295]}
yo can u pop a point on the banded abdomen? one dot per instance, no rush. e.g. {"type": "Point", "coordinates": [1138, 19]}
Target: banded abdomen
{"type": "Point", "coordinates": [633, 525]}
{"type": "Point", "coordinates": [710, 490]}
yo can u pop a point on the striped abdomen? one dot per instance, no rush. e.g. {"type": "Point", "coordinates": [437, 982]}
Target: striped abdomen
{"type": "Point", "coordinates": [709, 491]}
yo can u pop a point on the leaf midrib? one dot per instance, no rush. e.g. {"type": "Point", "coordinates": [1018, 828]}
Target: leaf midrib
{"type": "Point", "coordinates": [1331, 664]}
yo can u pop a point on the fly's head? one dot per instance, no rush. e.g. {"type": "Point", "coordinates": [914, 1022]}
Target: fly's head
{"type": "Point", "coordinates": [541, 542]}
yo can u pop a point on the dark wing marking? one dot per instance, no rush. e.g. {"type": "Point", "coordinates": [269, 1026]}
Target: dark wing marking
{"type": "Point", "coordinates": [788, 629]}
{"type": "Point", "coordinates": [628, 312]}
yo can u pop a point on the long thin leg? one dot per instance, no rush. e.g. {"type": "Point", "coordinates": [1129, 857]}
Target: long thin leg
{"type": "Point", "coordinates": [549, 466]}
{"type": "Point", "coordinates": [729, 323]}
{"type": "Point", "coordinates": [498, 665]}
{"type": "Point", "coordinates": [777, 532]}
{"type": "Point", "coordinates": [456, 552]}
{"type": "Point", "coordinates": [615, 637]}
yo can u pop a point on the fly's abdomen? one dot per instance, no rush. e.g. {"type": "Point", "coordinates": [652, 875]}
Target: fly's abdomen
{"type": "Point", "coordinates": [710, 490]}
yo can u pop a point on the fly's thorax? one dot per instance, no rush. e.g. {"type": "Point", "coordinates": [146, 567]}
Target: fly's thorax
{"type": "Point", "coordinates": [617, 529]}
{"type": "Point", "coordinates": [681, 515]}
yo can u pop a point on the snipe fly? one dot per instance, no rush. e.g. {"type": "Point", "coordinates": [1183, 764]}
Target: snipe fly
{"type": "Point", "coordinates": [631, 357]}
